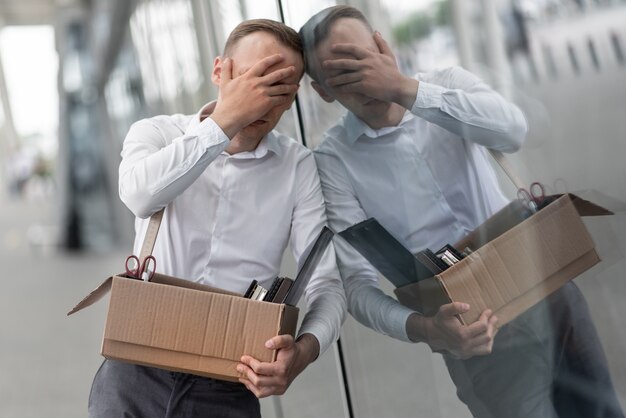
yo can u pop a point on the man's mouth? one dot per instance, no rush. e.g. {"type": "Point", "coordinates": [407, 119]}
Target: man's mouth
{"type": "Point", "coordinates": [258, 122]}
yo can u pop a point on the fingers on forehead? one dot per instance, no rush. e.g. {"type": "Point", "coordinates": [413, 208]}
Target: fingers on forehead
{"type": "Point", "coordinates": [350, 49]}
{"type": "Point", "coordinates": [261, 66]}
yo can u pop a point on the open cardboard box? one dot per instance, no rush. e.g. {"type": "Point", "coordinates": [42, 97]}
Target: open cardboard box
{"type": "Point", "coordinates": [514, 264]}
{"type": "Point", "coordinates": [183, 326]}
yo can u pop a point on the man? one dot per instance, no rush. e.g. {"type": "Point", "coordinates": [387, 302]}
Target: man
{"type": "Point", "coordinates": [412, 152]}
{"type": "Point", "coordinates": [236, 193]}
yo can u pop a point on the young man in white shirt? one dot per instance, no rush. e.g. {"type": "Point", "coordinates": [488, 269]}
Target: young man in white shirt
{"type": "Point", "coordinates": [412, 152]}
{"type": "Point", "coordinates": [235, 193]}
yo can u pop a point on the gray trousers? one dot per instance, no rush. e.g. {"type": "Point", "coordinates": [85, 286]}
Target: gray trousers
{"type": "Point", "coordinates": [123, 390]}
{"type": "Point", "coordinates": [547, 363]}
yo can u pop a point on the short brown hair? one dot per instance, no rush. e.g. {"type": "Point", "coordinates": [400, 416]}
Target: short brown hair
{"type": "Point", "coordinates": [317, 28]}
{"type": "Point", "coordinates": [286, 35]}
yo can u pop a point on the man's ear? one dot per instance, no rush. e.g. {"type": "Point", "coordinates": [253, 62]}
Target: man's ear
{"type": "Point", "coordinates": [216, 75]}
{"type": "Point", "coordinates": [323, 94]}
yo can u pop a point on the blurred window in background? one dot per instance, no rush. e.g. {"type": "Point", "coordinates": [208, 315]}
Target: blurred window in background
{"type": "Point", "coordinates": [617, 48]}
{"type": "Point", "coordinates": [164, 38]}
{"type": "Point", "coordinates": [573, 59]}
{"type": "Point", "coordinates": [549, 61]}
{"type": "Point", "coordinates": [594, 55]}
{"type": "Point", "coordinates": [31, 82]}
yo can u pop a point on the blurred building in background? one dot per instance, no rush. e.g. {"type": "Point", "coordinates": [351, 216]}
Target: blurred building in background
{"type": "Point", "coordinates": [113, 62]}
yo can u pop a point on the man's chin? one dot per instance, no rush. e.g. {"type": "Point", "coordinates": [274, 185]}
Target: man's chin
{"type": "Point", "coordinates": [372, 106]}
{"type": "Point", "coordinates": [365, 106]}
{"type": "Point", "coordinates": [255, 131]}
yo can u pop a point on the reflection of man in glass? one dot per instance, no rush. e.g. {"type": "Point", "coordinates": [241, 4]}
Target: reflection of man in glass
{"type": "Point", "coordinates": [235, 192]}
{"type": "Point", "coordinates": [412, 152]}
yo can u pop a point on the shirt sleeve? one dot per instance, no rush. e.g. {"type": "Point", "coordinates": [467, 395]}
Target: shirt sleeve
{"type": "Point", "coordinates": [324, 295]}
{"type": "Point", "coordinates": [367, 303]}
{"type": "Point", "coordinates": [156, 169]}
{"type": "Point", "coordinates": [461, 103]}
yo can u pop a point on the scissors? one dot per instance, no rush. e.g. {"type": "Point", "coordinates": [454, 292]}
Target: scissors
{"type": "Point", "coordinates": [534, 197]}
{"type": "Point", "coordinates": [141, 271]}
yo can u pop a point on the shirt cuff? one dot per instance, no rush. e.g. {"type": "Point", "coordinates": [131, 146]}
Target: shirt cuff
{"type": "Point", "coordinates": [208, 132]}
{"type": "Point", "coordinates": [428, 96]}
{"type": "Point", "coordinates": [398, 320]}
{"type": "Point", "coordinates": [323, 338]}
{"type": "Point", "coordinates": [324, 323]}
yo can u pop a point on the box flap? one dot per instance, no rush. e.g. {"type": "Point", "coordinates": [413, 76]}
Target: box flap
{"type": "Point", "coordinates": [104, 288]}
{"type": "Point", "coordinates": [93, 297]}
{"type": "Point", "coordinates": [608, 202]}
{"type": "Point", "coordinates": [191, 321]}
{"type": "Point", "coordinates": [587, 208]}
{"type": "Point", "coordinates": [514, 213]}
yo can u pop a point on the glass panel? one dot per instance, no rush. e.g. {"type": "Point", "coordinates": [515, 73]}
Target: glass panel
{"type": "Point", "coordinates": [125, 95]}
{"type": "Point", "coordinates": [317, 115]}
{"type": "Point", "coordinates": [576, 150]}
{"type": "Point", "coordinates": [163, 34]}
{"type": "Point", "coordinates": [387, 377]}
{"type": "Point", "coordinates": [562, 65]}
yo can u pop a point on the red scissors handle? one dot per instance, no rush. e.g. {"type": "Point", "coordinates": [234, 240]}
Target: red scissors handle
{"type": "Point", "coordinates": [143, 271]}
{"type": "Point", "coordinates": [537, 192]}
{"type": "Point", "coordinates": [533, 197]}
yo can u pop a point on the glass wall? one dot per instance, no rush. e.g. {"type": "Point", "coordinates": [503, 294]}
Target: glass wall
{"type": "Point", "coordinates": [570, 80]}
{"type": "Point", "coordinates": [386, 377]}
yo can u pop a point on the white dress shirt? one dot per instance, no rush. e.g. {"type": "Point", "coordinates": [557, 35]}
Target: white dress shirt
{"type": "Point", "coordinates": [427, 180]}
{"type": "Point", "coordinates": [229, 218]}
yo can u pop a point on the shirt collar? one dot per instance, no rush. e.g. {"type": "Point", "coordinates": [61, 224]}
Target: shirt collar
{"type": "Point", "coordinates": [268, 143]}
{"type": "Point", "coordinates": [271, 140]}
{"type": "Point", "coordinates": [355, 127]}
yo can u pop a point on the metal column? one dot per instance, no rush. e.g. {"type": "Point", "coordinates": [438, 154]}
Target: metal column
{"type": "Point", "coordinates": [496, 51]}
{"type": "Point", "coordinates": [463, 32]}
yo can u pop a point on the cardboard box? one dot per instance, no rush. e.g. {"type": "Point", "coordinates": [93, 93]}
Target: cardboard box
{"type": "Point", "coordinates": [183, 326]}
{"type": "Point", "coordinates": [515, 264]}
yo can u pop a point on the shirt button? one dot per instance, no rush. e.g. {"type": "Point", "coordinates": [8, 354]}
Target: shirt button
{"type": "Point", "coordinates": [185, 165]}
